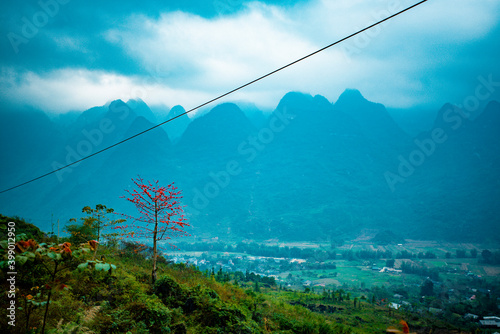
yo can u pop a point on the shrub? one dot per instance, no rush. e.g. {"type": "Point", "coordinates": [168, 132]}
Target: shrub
{"type": "Point", "coordinates": [170, 292]}
{"type": "Point", "coordinates": [152, 312]}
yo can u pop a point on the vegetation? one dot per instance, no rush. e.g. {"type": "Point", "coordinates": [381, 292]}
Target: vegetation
{"type": "Point", "coordinates": [159, 207]}
{"type": "Point", "coordinates": [96, 225]}
{"type": "Point", "coordinates": [63, 289]}
{"type": "Point", "coordinates": [260, 250]}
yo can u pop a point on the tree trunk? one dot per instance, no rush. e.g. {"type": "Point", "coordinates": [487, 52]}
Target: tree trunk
{"type": "Point", "coordinates": [48, 298]}
{"type": "Point", "coordinates": [95, 252]}
{"type": "Point", "coordinates": [155, 254]}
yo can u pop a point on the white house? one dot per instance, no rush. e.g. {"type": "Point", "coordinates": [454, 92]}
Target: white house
{"type": "Point", "coordinates": [490, 322]}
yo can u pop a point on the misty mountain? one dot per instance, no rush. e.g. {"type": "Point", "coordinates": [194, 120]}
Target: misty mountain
{"type": "Point", "coordinates": [25, 136]}
{"type": "Point", "coordinates": [177, 126]}
{"type": "Point", "coordinates": [256, 116]}
{"type": "Point", "coordinates": [373, 119]}
{"type": "Point", "coordinates": [311, 170]}
{"type": "Point", "coordinates": [141, 109]}
{"type": "Point", "coordinates": [216, 133]}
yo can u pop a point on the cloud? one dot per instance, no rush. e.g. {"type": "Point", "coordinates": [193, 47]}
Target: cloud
{"type": "Point", "coordinates": [79, 89]}
{"type": "Point", "coordinates": [216, 53]}
{"type": "Point", "coordinates": [187, 54]}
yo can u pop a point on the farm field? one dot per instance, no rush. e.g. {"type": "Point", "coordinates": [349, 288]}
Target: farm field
{"type": "Point", "coordinates": [443, 280]}
{"type": "Point", "coordinates": [342, 271]}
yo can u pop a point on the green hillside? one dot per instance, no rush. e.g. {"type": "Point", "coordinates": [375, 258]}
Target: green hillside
{"type": "Point", "coordinates": [110, 291]}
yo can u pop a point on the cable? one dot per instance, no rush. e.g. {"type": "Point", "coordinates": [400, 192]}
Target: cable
{"type": "Point", "coordinates": [219, 97]}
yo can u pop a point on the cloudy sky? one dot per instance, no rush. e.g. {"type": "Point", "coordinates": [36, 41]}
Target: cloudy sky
{"type": "Point", "coordinates": [64, 55]}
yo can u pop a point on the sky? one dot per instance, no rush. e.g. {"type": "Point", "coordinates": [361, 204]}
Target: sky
{"type": "Point", "coordinates": [71, 55]}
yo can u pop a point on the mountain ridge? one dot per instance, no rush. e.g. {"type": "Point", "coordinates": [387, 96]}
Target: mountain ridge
{"type": "Point", "coordinates": [315, 169]}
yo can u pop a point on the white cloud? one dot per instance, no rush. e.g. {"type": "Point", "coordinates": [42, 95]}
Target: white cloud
{"type": "Point", "coordinates": [65, 89]}
{"type": "Point", "coordinates": [213, 54]}
{"type": "Point", "coordinates": [189, 59]}
{"type": "Point", "coordinates": [79, 89]}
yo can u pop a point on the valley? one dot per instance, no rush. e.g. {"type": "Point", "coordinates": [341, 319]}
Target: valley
{"type": "Point", "coordinates": [250, 167]}
{"type": "Point", "coordinates": [458, 281]}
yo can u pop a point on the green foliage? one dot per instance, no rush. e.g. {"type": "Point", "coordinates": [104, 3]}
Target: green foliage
{"type": "Point", "coordinates": [461, 253]}
{"type": "Point", "coordinates": [169, 291]}
{"type": "Point", "coordinates": [22, 227]}
{"type": "Point", "coordinates": [491, 257]}
{"type": "Point", "coordinates": [152, 312]}
{"type": "Point", "coordinates": [80, 233]}
{"type": "Point", "coordinates": [100, 222]}
{"type": "Point", "coordinates": [260, 250]}
{"type": "Point", "coordinates": [427, 289]}
{"type": "Point", "coordinates": [203, 304]}
{"type": "Point", "coordinates": [114, 294]}
{"type": "Point", "coordinates": [95, 225]}
{"type": "Point", "coordinates": [97, 265]}
{"type": "Point", "coordinates": [43, 275]}
{"type": "Point", "coordinates": [387, 237]}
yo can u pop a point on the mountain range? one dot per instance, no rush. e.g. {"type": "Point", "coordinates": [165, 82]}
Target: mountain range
{"type": "Point", "coordinates": [310, 170]}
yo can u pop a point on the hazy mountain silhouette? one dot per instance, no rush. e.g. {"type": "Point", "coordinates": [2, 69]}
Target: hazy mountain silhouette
{"type": "Point", "coordinates": [140, 108]}
{"type": "Point", "coordinates": [26, 137]}
{"type": "Point", "coordinates": [176, 128]}
{"type": "Point", "coordinates": [218, 132]}
{"type": "Point", "coordinates": [253, 113]}
{"type": "Point", "coordinates": [311, 169]}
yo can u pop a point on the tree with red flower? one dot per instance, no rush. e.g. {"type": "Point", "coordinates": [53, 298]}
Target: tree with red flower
{"type": "Point", "coordinates": [161, 215]}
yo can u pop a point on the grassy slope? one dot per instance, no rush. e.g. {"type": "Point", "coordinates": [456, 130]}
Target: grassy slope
{"type": "Point", "coordinates": [184, 300]}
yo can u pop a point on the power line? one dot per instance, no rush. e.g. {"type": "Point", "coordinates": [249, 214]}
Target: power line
{"type": "Point", "coordinates": [219, 97]}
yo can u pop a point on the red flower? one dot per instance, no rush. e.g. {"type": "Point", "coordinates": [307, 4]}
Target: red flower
{"type": "Point", "coordinates": [22, 246]}
{"type": "Point", "coordinates": [32, 244]}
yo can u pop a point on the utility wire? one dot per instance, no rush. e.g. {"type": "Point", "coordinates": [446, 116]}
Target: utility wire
{"type": "Point", "coordinates": [219, 97]}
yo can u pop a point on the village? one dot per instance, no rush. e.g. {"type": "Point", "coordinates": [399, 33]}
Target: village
{"type": "Point", "coordinates": [438, 286]}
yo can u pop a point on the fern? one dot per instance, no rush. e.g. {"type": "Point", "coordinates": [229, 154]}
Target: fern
{"type": "Point", "coordinates": [78, 328]}
{"type": "Point", "coordinates": [90, 314]}
{"type": "Point", "coordinates": [70, 328]}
